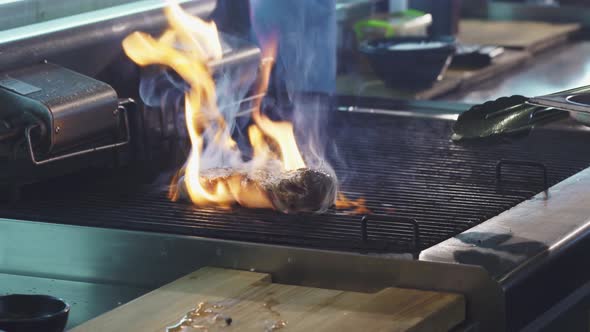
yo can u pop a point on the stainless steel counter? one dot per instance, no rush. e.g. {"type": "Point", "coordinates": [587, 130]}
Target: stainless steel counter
{"type": "Point", "coordinates": [563, 68]}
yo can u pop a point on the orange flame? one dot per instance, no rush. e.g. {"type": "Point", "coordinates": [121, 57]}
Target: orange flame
{"type": "Point", "coordinates": [351, 206]}
{"type": "Point", "coordinates": [279, 131]}
{"type": "Point", "coordinates": [186, 47]}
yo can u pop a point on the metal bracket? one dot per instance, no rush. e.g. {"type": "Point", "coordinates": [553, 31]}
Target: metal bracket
{"type": "Point", "coordinates": [409, 221]}
{"type": "Point", "coordinates": [541, 166]}
{"type": "Point", "coordinates": [120, 111]}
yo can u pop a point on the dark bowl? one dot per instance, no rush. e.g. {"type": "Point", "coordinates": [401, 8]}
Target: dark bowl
{"type": "Point", "coordinates": [409, 62]}
{"type": "Point", "coordinates": [27, 313]}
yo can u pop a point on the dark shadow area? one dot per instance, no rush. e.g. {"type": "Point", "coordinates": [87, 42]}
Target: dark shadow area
{"type": "Point", "coordinates": [505, 244]}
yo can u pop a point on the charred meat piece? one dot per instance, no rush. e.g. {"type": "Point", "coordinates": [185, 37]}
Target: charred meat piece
{"type": "Point", "coordinates": [301, 190]}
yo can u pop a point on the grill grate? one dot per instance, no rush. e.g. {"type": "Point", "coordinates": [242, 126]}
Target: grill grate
{"type": "Point", "coordinates": [404, 167]}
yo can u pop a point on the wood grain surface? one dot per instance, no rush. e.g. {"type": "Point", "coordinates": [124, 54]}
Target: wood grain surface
{"type": "Point", "coordinates": [254, 303]}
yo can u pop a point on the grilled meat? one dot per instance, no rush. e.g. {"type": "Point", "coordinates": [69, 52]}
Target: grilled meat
{"type": "Point", "coordinates": [301, 190]}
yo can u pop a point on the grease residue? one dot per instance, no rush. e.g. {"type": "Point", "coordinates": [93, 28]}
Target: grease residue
{"type": "Point", "coordinates": [209, 317]}
{"type": "Point", "coordinates": [275, 324]}
{"type": "Point", "coordinates": [269, 304]}
{"type": "Point", "coordinates": [201, 318]}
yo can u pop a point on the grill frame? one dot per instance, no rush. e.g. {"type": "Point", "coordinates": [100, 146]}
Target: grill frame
{"type": "Point", "coordinates": [125, 257]}
{"type": "Point", "coordinates": [356, 237]}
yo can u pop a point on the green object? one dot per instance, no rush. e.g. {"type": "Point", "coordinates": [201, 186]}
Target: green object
{"type": "Point", "coordinates": [384, 27]}
{"type": "Point", "coordinates": [501, 119]}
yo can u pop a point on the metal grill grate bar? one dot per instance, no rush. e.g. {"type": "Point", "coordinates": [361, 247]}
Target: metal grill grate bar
{"type": "Point", "coordinates": [404, 167]}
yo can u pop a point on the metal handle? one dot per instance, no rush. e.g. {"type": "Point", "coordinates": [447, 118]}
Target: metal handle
{"type": "Point", "coordinates": [409, 221]}
{"type": "Point", "coordinates": [120, 109]}
{"type": "Point", "coordinates": [538, 165]}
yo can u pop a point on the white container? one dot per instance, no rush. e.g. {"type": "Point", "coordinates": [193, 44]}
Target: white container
{"type": "Point", "coordinates": [411, 27]}
{"type": "Point", "coordinates": [408, 23]}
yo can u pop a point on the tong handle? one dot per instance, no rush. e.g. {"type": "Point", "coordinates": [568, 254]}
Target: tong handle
{"type": "Point", "coordinates": [573, 100]}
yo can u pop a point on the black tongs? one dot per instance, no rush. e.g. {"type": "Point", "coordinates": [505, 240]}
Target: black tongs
{"type": "Point", "coordinates": [516, 116]}
{"type": "Point", "coordinates": [503, 118]}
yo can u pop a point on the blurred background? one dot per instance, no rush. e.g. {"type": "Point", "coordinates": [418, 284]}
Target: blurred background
{"type": "Point", "coordinates": [528, 47]}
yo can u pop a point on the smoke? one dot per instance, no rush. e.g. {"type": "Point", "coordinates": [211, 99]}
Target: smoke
{"type": "Point", "coordinates": [306, 31]}
{"type": "Point", "coordinates": [305, 64]}
{"type": "Point", "coordinates": [162, 91]}
{"type": "Point", "coordinates": [232, 84]}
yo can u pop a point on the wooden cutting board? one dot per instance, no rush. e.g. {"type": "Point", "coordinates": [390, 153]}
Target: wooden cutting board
{"type": "Point", "coordinates": [254, 303]}
{"type": "Point", "coordinates": [506, 62]}
{"type": "Point", "coordinates": [524, 35]}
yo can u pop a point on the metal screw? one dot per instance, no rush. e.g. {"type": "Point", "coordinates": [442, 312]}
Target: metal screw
{"type": "Point", "coordinates": [57, 129]}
